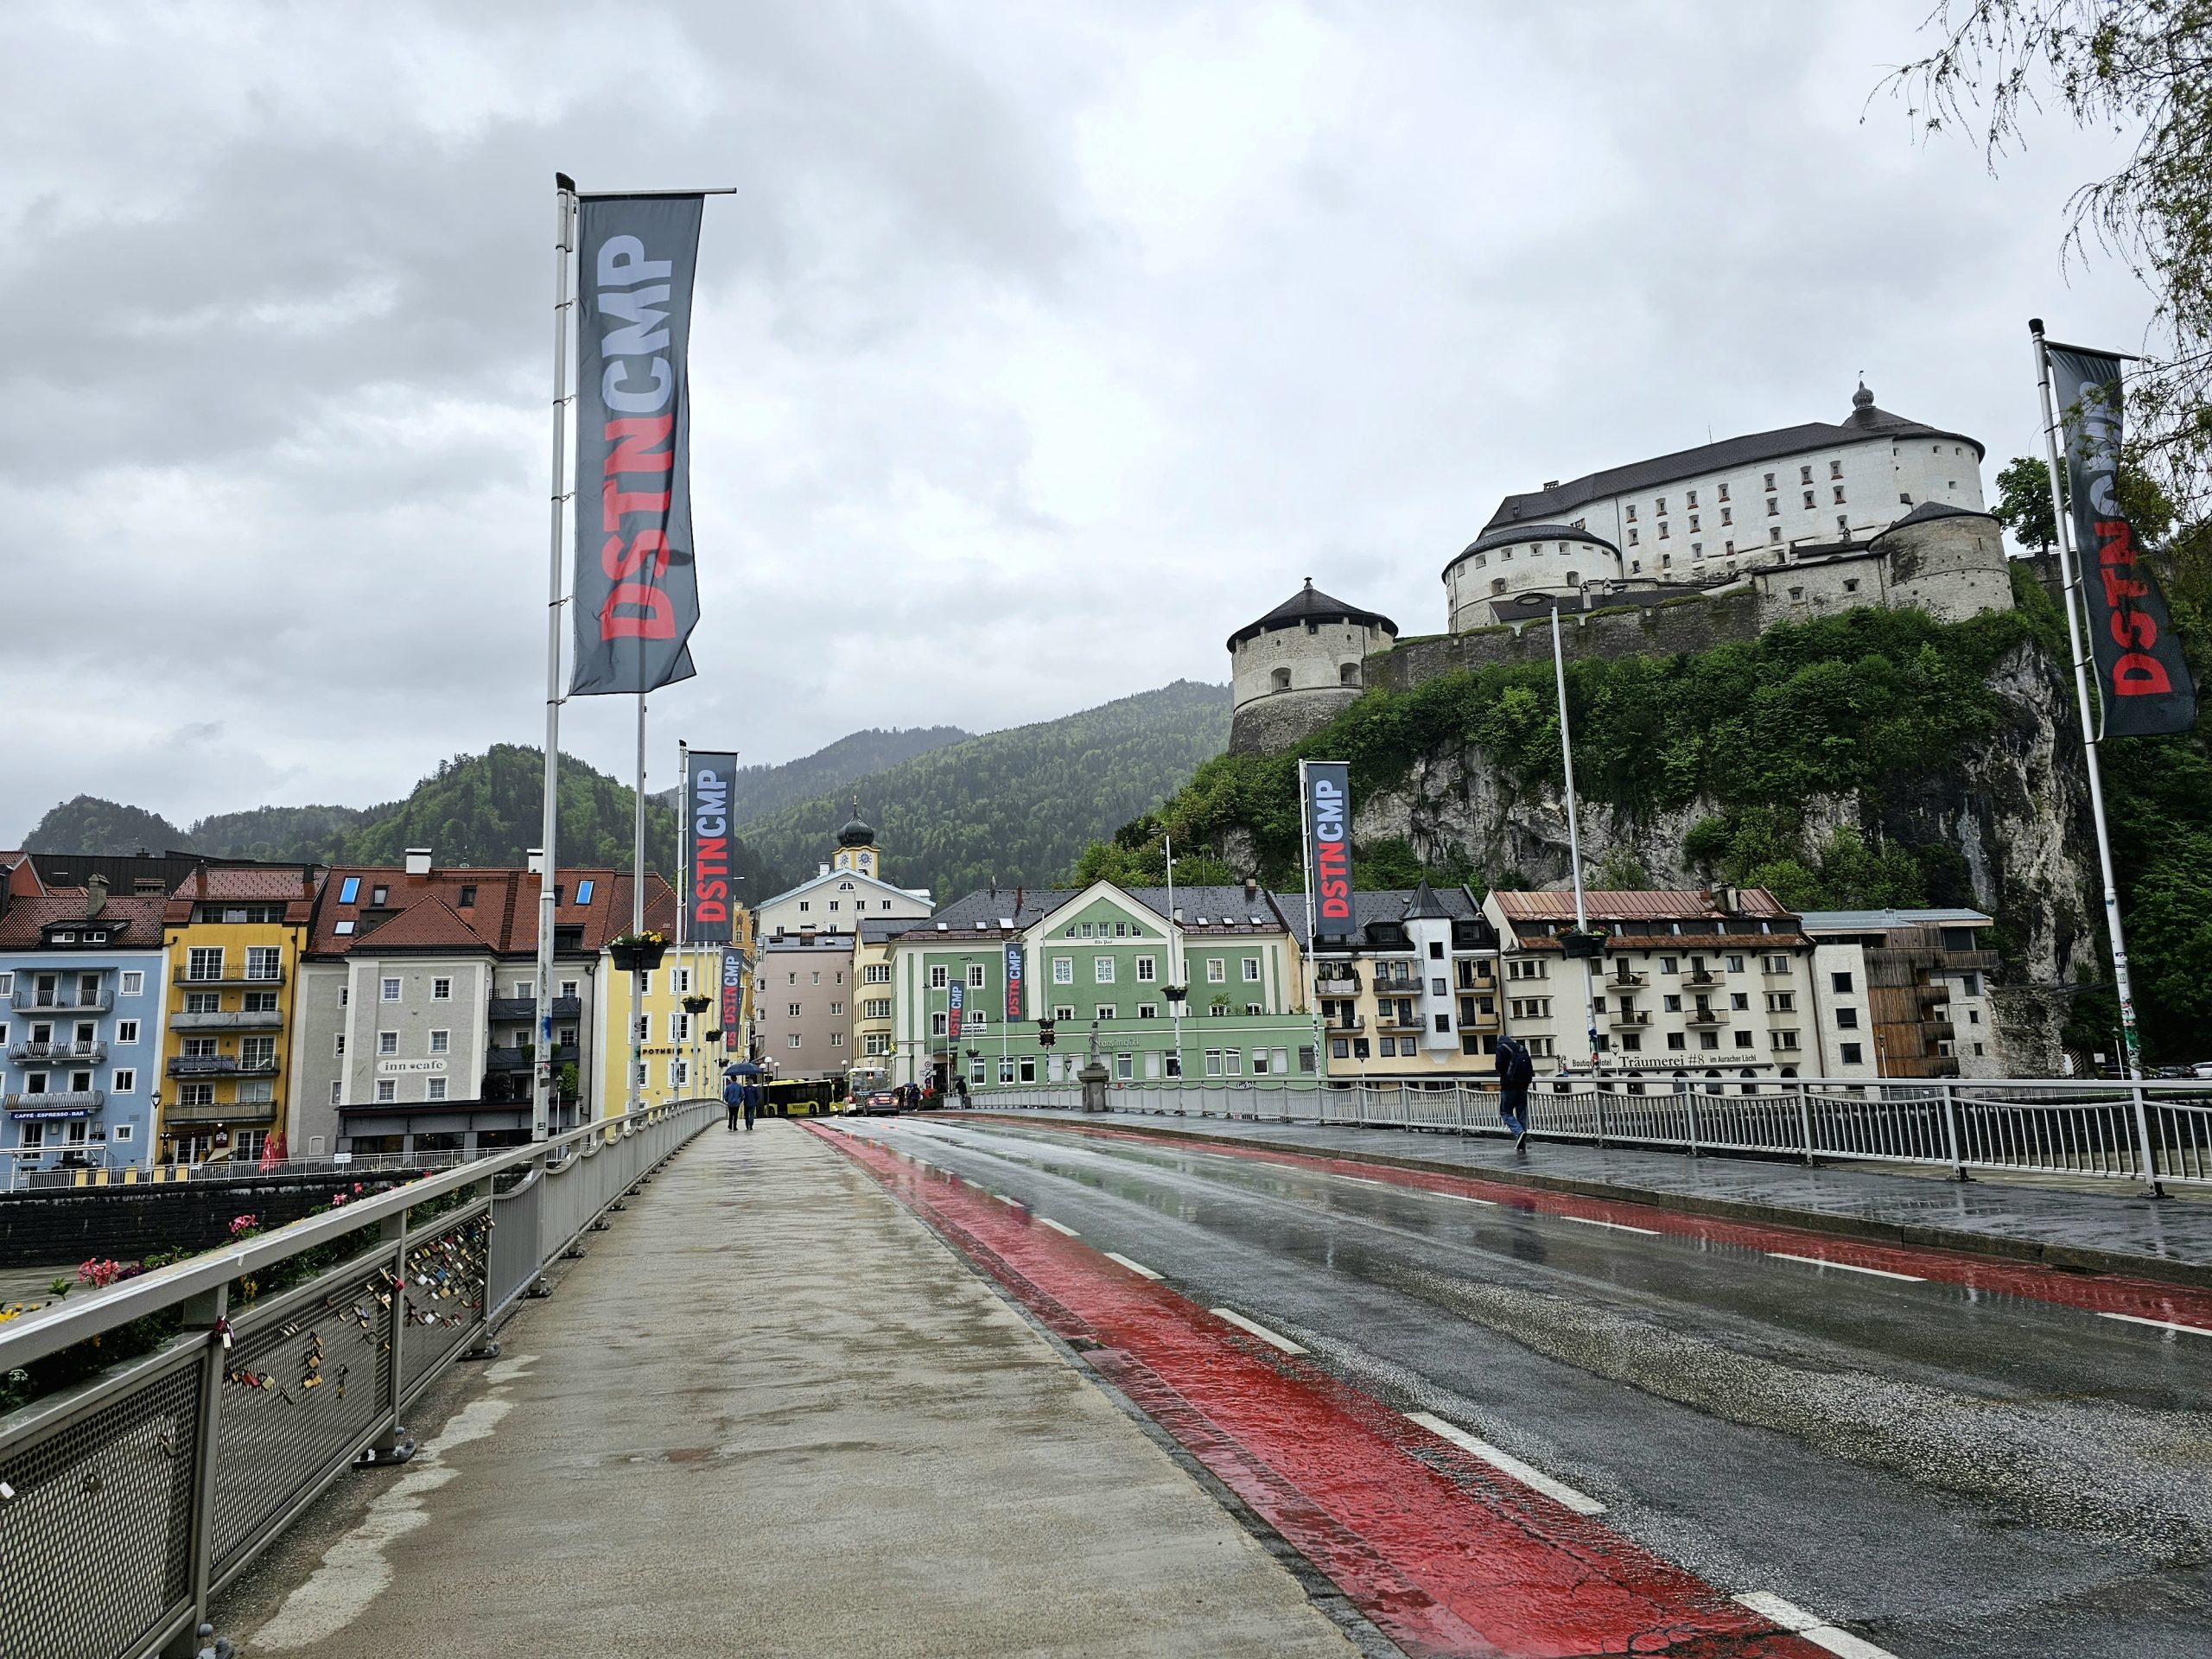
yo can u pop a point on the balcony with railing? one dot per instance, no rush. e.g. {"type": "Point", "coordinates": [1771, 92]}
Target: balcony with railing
{"type": "Point", "coordinates": [521, 1059]}
{"type": "Point", "coordinates": [56, 1103]}
{"type": "Point", "coordinates": [1336, 981]}
{"type": "Point", "coordinates": [219, 1111]}
{"type": "Point", "coordinates": [1622, 974]}
{"type": "Point", "coordinates": [227, 978]}
{"type": "Point", "coordinates": [239, 1020]}
{"type": "Point", "coordinates": [1390, 1019]}
{"type": "Point", "coordinates": [1628, 1018]}
{"type": "Point", "coordinates": [90, 1054]}
{"type": "Point", "coordinates": [1701, 977]}
{"type": "Point", "coordinates": [525, 1007]}
{"type": "Point", "coordinates": [59, 998]}
{"type": "Point", "coordinates": [222, 1065]}
{"type": "Point", "coordinates": [1706, 1018]}
{"type": "Point", "coordinates": [1939, 1031]}
{"type": "Point", "coordinates": [1343, 1021]}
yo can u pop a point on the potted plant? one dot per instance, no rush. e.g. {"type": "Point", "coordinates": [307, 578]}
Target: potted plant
{"type": "Point", "coordinates": [1575, 942]}
{"type": "Point", "coordinates": [697, 1003]}
{"type": "Point", "coordinates": [638, 953]}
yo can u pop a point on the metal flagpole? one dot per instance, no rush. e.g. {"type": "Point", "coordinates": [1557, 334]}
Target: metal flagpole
{"type": "Point", "coordinates": [2069, 581]}
{"type": "Point", "coordinates": [685, 975]}
{"type": "Point", "coordinates": [638, 921]}
{"type": "Point", "coordinates": [1573, 835]}
{"type": "Point", "coordinates": [1175, 1004]}
{"type": "Point", "coordinates": [564, 190]}
{"type": "Point", "coordinates": [1313, 922]}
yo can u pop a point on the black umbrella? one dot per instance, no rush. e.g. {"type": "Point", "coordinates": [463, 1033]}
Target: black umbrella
{"type": "Point", "coordinates": [745, 1069]}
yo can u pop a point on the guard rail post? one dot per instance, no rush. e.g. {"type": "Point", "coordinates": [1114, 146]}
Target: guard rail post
{"type": "Point", "coordinates": [1805, 1122]}
{"type": "Point", "coordinates": [393, 1446]}
{"type": "Point", "coordinates": [1691, 1098]}
{"type": "Point", "coordinates": [1950, 1092]}
{"type": "Point", "coordinates": [207, 1312]}
{"type": "Point", "coordinates": [1599, 1097]}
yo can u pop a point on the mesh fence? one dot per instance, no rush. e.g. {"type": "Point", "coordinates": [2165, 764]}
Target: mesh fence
{"type": "Point", "coordinates": [96, 1541]}
{"type": "Point", "coordinates": [443, 1298]}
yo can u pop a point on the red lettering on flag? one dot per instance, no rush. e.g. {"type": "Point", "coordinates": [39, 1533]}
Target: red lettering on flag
{"type": "Point", "coordinates": [614, 502]}
{"type": "Point", "coordinates": [636, 611]}
{"type": "Point", "coordinates": [630, 439]}
{"type": "Point", "coordinates": [2139, 674]}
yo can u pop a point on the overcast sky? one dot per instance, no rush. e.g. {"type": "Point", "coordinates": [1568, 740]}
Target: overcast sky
{"type": "Point", "coordinates": [1040, 347]}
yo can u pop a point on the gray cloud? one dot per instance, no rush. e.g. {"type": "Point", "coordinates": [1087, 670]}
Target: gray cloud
{"type": "Point", "coordinates": [1038, 348]}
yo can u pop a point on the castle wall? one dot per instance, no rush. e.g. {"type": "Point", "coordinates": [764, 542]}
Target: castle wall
{"type": "Point", "coordinates": [1661, 630]}
{"type": "Point", "coordinates": [1271, 724]}
{"type": "Point", "coordinates": [1268, 718]}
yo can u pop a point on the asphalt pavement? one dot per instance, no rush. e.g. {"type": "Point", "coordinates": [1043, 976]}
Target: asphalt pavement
{"type": "Point", "coordinates": [1943, 1468]}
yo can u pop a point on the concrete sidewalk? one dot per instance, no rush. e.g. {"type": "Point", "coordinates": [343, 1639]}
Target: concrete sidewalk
{"type": "Point", "coordinates": [771, 1414]}
{"type": "Point", "coordinates": [2104, 1227]}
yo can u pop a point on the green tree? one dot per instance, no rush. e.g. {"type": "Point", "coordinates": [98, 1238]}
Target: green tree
{"type": "Point", "coordinates": [107, 828]}
{"type": "Point", "coordinates": [2024, 503]}
{"type": "Point", "coordinates": [2142, 69]}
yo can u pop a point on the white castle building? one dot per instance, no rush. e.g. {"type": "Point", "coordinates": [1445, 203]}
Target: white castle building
{"type": "Point", "coordinates": [1878, 510]}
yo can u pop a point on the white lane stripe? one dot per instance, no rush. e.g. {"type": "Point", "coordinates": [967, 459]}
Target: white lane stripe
{"type": "Point", "coordinates": [1849, 1267]}
{"type": "Point", "coordinates": [1792, 1618]}
{"type": "Point", "coordinates": [1256, 1329]}
{"type": "Point", "coordinates": [978, 1186]}
{"type": "Point", "coordinates": [2157, 1324]}
{"type": "Point", "coordinates": [1134, 1267]}
{"type": "Point", "coordinates": [1618, 1226]}
{"type": "Point", "coordinates": [1058, 1228]}
{"type": "Point", "coordinates": [1506, 1463]}
{"type": "Point", "coordinates": [1464, 1199]}
{"type": "Point", "coordinates": [1363, 1181]}
{"type": "Point", "coordinates": [1002, 1198]}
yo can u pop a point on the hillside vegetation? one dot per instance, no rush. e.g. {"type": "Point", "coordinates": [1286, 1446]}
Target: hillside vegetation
{"type": "Point", "coordinates": [106, 828]}
{"type": "Point", "coordinates": [1015, 807]}
{"type": "Point", "coordinates": [1751, 734]}
{"type": "Point", "coordinates": [762, 789]}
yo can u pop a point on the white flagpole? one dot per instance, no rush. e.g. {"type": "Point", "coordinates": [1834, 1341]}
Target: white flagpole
{"type": "Point", "coordinates": [638, 920]}
{"type": "Point", "coordinates": [2067, 582]}
{"type": "Point", "coordinates": [564, 190]}
{"type": "Point", "coordinates": [684, 892]}
{"type": "Point", "coordinates": [1573, 834]}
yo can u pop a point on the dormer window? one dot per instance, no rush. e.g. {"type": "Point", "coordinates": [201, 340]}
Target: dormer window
{"type": "Point", "coordinates": [379, 895]}
{"type": "Point", "coordinates": [583, 891]}
{"type": "Point", "coordinates": [467, 897]}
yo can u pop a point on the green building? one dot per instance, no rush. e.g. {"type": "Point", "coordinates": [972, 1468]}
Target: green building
{"type": "Point", "coordinates": [1102, 961]}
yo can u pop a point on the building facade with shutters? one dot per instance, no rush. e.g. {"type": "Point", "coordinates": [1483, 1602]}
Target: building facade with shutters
{"type": "Point", "coordinates": [1683, 985]}
{"type": "Point", "coordinates": [81, 1000]}
{"type": "Point", "coordinates": [1906, 991]}
{"type": "Point", "coordinates": [235, 936]}
{"type": "Point", "coordinates": [1413, 992]}
{"type": "Point", "coordinates": [1100, 961]}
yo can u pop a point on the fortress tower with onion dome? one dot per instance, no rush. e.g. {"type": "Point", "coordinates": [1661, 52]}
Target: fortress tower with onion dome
{"type": "Point", "coordinates": [1683, 551]}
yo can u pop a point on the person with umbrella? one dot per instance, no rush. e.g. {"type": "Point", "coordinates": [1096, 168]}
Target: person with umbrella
{"type": "Point", "coordinates": [745, 1079]}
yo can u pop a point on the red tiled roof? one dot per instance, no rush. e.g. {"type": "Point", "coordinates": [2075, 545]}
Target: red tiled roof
{"type": "Point", "coordinates": [429, 924]}
{"type": "Point", "coordinates": [138, 919]}
{"type": "Point", "coordinates": [22, 881]}
{"type": "Point", "coordinates": [1664, 905]}
{"type": "Point", "coordinates": [503, 919]}
{"type": "Point", "coordinates": [291, 886]}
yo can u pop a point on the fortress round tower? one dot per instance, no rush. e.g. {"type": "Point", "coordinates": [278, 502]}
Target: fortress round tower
{"type": "Point", "coordinates": [1292, 671]}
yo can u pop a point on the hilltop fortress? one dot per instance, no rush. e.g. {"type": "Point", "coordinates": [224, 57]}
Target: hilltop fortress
{"type": "Point", "coordinates": [1680, 552]}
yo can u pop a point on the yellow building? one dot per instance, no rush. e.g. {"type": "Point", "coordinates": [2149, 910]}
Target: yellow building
{"type": "Point", "coordinates": [234, 937]}
{"type": "Point", "coordinates": [677, 1061]}
{"type": "Point", "coordinates": [874, 1040]}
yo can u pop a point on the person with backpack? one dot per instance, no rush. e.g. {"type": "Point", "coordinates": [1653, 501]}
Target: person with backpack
{"type": "Point", "coordinates": [1516, 1071]}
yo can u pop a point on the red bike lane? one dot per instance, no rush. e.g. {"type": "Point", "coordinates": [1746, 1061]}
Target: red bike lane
{"type": "Point", "coordinates": [1441, 1551]}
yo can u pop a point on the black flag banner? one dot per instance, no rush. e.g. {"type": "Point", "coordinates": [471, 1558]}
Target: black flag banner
{"type": "Point", "coordinates": [2143, 680]}
{"type": "Point", "coordinates": [636, 593]}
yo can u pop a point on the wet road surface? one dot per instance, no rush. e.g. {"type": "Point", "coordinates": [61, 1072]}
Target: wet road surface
{"type": "Point", "coordinates": [1945, 1469]}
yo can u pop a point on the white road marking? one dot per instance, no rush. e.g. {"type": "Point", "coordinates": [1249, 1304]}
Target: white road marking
{"type": "Point", "coordinates": [1618, 1226]}
{"type": "Point", "coordinates": [1134, 1267]}
{"type": "Point", "coordinates": [1256, 1329]}
{"type": "Point", "coordinates": [1811, 1626]}
{"type": "Point", "coordinates": [978, 1186]}
{"type": "Point", "coordinates": [1058, 1228]}
{"type": "Point", "coordinates": [1002, 1198]}
{"type": "Point", "coordinates": [1464, 1199]}
{"type": "Point", "coordinates": [2157, 1324]}
{"type": "Point", "coordinates": [1363, 1181]}
{"type": "Point", "coordinates": [1849, 1267]}
{"type": "Point", "coordinates": [1506, 1463]}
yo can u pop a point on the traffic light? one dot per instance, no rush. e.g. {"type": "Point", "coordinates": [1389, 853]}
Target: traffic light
{"type": "Point", "coordinates": [1045, 1033]}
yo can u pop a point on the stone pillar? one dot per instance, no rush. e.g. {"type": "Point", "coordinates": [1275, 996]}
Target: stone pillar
{"type": "Point", "coordinates": [1092, 1076]}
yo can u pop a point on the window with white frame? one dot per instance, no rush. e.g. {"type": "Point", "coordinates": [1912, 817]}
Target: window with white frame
{"type": "Point", "coordinates": [126, 1031]}
{"type": "Point", "coordinates": [204, 961]}
{"type": "Point", "coordinates": [936, 1025]}
{"type": "Point", "coordinates": [134, 982]}
{"type": "Point", "coordinates": [391, 991]}
{"type": "Point", "coordinates": [679, 1026]}
{"type": "Point", "coordinates": [436, 1089]}
{"type": "Point", "coordinates": [1063, 971]}
{"type": "Point", "coordinates": [125, 1081]}
{"type": "Point", "coordinates": [792, 1040]}
{"type": "Point", "coordinates": [1216, 971]}
{"type": "Point", "coordinates": [387, 1090]}
{"type": "Point", "coordinates": [442, 989]}
{"type": "Point", "coordinates": [263, 962]}
{"type": "Point", "coordinates": [387, 1042]}
{"type": "Point", "coordinates": [1101, 970]}
{"type": "Point", "coordinates": [1147, 970]}
{"type": "Point", "coordinates": [976, 976]}
{"type": "Point", "coordinates": [442, 1042]}
{"type": "Point", "coordinates": [940, 976]}
{"type": "Point", "coordinates": [338, 1046]}
{"type": "Point", "coordinates": [1251, 970]}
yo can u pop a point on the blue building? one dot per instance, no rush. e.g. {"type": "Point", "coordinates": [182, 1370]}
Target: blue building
{"type": "Point", "coordinates": [81, 992]}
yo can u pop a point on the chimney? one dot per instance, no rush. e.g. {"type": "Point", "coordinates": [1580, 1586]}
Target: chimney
{"type": "Point", "coordinates": [95, 896]}
{"type": "Point", "coordinates": [418, 861]}
{"type": "Point", "coordinates": [536, 861]}
{"type": "Point", "coordinates": [1728, 901]}
{"type": "Point", "coordinates": [1251, 891]}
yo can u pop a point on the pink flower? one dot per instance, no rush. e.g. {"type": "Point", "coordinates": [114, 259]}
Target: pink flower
{"type": "Point", "coordinates": [242, 1225]}
{"type": "Point", "coordinates": [337, 1198]}
{"type": "Point", "coordinates": [100, 1272]}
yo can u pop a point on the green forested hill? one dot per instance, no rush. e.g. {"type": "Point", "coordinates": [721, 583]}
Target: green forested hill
{"type": "Point", "coordinates": [1016, 806]}
{"type": "Point", "coordinates": [762, 789]}
{"type": "Point", "coordinates": [281, 834]}
{"type": "Point", "coordinates": [89, 824]}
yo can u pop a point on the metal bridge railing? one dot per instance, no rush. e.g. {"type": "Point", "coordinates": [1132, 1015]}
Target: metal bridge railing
{"type": "Point", "coordinates": [2069, 1126]}
{"type": "Point", "coordinates": [128, 1498]}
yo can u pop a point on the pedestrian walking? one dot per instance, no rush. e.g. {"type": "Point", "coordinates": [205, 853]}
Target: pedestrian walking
{"type": "Point", "coordinates": [752, 1103]}
{"type": "Point", "coordinates": [733, 1096]}
{"type": "Point", "coordinates": [1516, 1071]}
